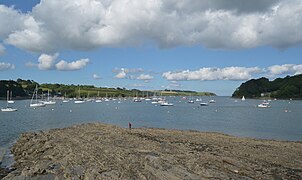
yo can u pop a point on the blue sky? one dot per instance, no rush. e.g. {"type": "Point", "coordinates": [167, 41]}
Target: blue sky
{"type": "Point", "coordinates": [190, 45]}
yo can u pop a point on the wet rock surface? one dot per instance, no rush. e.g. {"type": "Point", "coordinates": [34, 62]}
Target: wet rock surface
{"type": "Point", "coordinates": [100, 151]}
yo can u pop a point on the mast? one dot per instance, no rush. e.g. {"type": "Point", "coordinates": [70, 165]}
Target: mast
{"type": "Point", "coordinates": [32, 98]}
{"type": "Point", "coordinates": [36, 94]}
{"type": "Point", "coordinates": [79, 93]}
{"type": "Point", "coordinates": [7, 94]}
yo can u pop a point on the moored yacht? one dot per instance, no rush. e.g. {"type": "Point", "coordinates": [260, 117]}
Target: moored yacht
{"type": "Point", "coordinates": [36, 103]}
{"type": "Point", "coordinates": [8, 109]}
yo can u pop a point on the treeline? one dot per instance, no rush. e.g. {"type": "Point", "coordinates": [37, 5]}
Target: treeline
{"type": "Point", "coordinates": [13, 86]}
{"type": "Point", "coordinates": [171, 92]}
{"type": "Point", "coordinates": [288, 87]}
{"type": "Point", "coordinates": [25, 88]}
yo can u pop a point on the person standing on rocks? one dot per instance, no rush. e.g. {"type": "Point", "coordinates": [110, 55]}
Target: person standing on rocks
{"type": "Point", "coordinates": [129, 125]}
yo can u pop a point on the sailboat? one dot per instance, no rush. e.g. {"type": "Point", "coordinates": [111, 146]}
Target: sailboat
{"type": "Point", "coordinates": [98, 100]}
{"type": "Point", "coordinates": [49, 102]}
{"type": "Point", "coordinates": [10, 101]}
{"type": "Point", "coordinates": [147, 98]}
{"type": "Point", "coordinates": [65, 100]}
{"type": "Point", "coordinates": [165, 103]}
{"type": "Point", "coordinates": [190, 99]}
{"type": "Point", "coordinates": [137, 99]}
{"type": "Point", "coordinates": [198, 100]}
{"type": "Point", "coordinates": [106, 98]}
{"type": "Point", "coordinates": [212, 101]}
{"type": "Point", "coordinates": [203, 104]}
{"type": "Point", "coordinates": [79, 100]}
{"type": "Point", "coordinates": [243, 98]}
{"type": "Point", "coordinates": [88, 99]}
{"type": "Point", "coordinates": [8, 109]}
{"type": "Point", "coordinates": [36, 104]}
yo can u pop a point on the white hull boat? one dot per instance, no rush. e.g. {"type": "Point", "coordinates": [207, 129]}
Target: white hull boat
{"type": "Point", "coordinates": [212, 101]}
{"type": "Point", "coordinates": [79, 102]}
{"type": "Point", "coordinates": [49, 102]}
{"type": "Point", "coordinates": [8, 109]}
{"type": "Point", "coordinates": [263, 105]}
{"type": "Point", "coordinates": [166, 104]}
{"type": "Point", "coordinates": [37, 104]}
{"type": "Point", "coordinates": [204, 104]}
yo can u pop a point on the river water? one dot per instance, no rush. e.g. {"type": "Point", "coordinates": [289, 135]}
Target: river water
{"type": "Point", "coordinates": [282, 121]}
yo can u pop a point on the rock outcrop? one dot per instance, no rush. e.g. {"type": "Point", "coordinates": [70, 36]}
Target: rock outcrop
{"type": "Point", "coordinates": [100, 151]}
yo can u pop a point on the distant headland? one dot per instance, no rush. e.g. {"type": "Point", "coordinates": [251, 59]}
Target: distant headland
{"type": "Point", "coordinates": [281, 88]}
{"type": "Point", "coordinates": [23, 89]}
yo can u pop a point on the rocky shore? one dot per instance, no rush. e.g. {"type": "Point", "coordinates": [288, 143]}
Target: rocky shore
{"type": "Point", "coordinates": [101, 151]}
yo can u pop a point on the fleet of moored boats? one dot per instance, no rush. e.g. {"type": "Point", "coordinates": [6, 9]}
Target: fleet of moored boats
{"type": "Point", "coordinates": [35, 102]}
{"type": "Point", "coordinates": [155, 100]}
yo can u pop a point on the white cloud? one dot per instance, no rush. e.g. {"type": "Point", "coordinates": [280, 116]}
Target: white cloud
{"type": "Point", "coordinates": [10, 20]}
{"type": "Point", "coordinates": [2, 49]}
{"type": "Point", "coordinates": [72, 66]}
{"type": "Point", "coordinates": [47, 62]}
{"type": "Point", "coordinates": [96, 76]}
{"type": "Point", "coordinates": [126, 70]}
{"type": "Point", "coordinates": [88, 24]}
{"type": "Point", "coordinates": [50, 62]}
{"type": "Point", "coordinates": [211, 74]}
{"type": "Point", "coordinates": [6, 66]}
{"type": "Point", "coordinates": [145, 77]}
{"type": "Point", "coordinates": [121, 75]}
{"type": "Point", "coordinates": [291, 69]}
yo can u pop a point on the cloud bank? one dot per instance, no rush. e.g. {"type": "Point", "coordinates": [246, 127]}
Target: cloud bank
{"type": "Point", "coordinates": [231, 73]}
{"type": "Point", "coordinates": [211, 74]}
{"type": "Point", "coordinates": [88, 24]}
{"type": "Point", "coordinates": [285, 69]}
{"type": "Point", "coordinates": [145, 77]}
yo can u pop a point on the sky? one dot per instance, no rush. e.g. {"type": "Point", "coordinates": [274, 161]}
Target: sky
{"type": "Point", "coordinates": [200, 45]}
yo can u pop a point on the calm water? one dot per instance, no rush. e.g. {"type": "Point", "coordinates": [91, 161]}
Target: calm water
{"type": "Point", "coordinates": [240, 119]}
